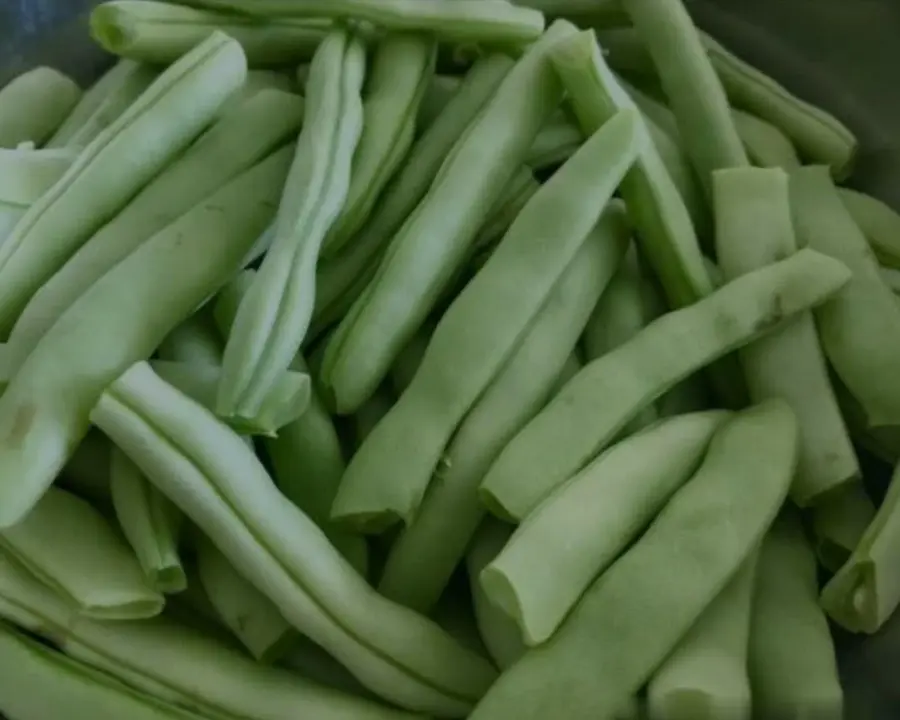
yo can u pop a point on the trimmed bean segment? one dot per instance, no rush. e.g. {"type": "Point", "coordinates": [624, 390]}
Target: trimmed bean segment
{"type": "Point", "coordinates": [582, 527]}
{"type": "Point", "coordinates": [595, 405]}
{"type": "Point", "coordinates": [382, 485]}
{"type": "Point", "coordinates": [705, 533]}
{"type": "Point", "coordinates": [34, 104]}
{"type": "Point", "coordinates": [860, 328]}
{"type": "Point", "coordinates": [753, 230]}
{"type": "Point", "coordinates": [275, 313]}
{"type": "Point", "coordinates": [425, 554]}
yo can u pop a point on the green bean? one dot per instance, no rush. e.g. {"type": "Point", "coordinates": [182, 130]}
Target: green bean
{"type": "Point", "coordinates": [879, 222]}
{"type": "Point", "coordinates": [382, 485]}
{"type": "Point", "coordinates": [150, 523]}
{"type": "Point", "coordinates": [839, 522]}
{"type": "Point", "coordinates": [440, 91]}
{"type": "Point", "coordinates": [866, 590]}
{"type": "Point", "coordinates": [39, 682]}
{"type": "Point", "coordinates": [218, 482]}
{"type": "Point", "coordinates": [431, 246]}
{"type": "Point", "coordinates": [150, 133]}
{"type": "Point", "coordinates": [499, 632]}
{"type": "Point", "coordinates": [160, 33]}
{"type": "Point", "coordinates": [306, 456]}
{"type": "Point", "coordinates": [766, 144]}
{"type": "Point", "coordinates": [312, 662]}
{"type": "Point", "coordinates": [249, 614]}
{"type": "Point", "coordinates": [691, 85]}
{"type": "Point", "coordinates": [410, 359]}
{"type": "Point", "coordinates": [34, 104]}
{"type": "Point", "coordinates": [860, 328]}
{"type": "Point", "coordinates": [371, 413]}
{"type": "Point", "coordinates": [43, 412]}
{"type": "Point", "coordinates": [196, 341]}
{"type": "Point", "coordinates": [580, 529]}
{"type": "Point", "coordinates": [70, 547]}
{"type": "Point", "coordinates": [792, 667]}
{"type": "Point", "coordinates": [706, 675]}
{"type": "Point", "coordinates": [519, 191]}
{"type": "Point", "coordinates": [597, 12]}
{"type": "Point", "coordinates": [605, 650]}
{"type": "Point", "coordinates": [176, 664]}
{"type": "Point", "coordinates": [753, 230]}
{"type": "Point", "coordinates": [238, 141]}
{"type": "Point", "coordinates": [275, 313]}
{"type": "Point", "coordinates": [424, 555]}
{"type": "Point", "coordinates": [590, 411]}
{"type": "Point", "coordinates": [402, 68]}
{"type": "Point", "coordinates": [336, 276]}
{"type": "Point", "coordinates": [25, 175]}
{"type": "Point", "coordinates": [256, 82]}
{"type": "Point", "coordinates": [489, 21]}
{"type": "Point", "coordinates": [555, 143]}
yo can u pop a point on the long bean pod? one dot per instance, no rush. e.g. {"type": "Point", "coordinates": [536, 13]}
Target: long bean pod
{"type": "Point", "coordinates": [429, 249]}
{"type": "Point", "coordinates": [605, 651]}
{"type": "Point", "coordinates": [44, 410]}
{"type": "Point", "coordinates": [150, 133]}
{"type": "Point", "coordinates": [25, 175]}
{"type": "Point", "coordinates": [275, 313]}
{"type": "Point", "coordinates": [34, 104]}
{"type": "Point", "coordinates": [424, 555]}
{"type": "Point", "coordinates": [220, 484]}
{"type": "Point", "coordinates": [753, 230]}
{"type": "Point", "coordinates": [382, 485]}
{"type": "Point", "coordinates": [766, 145]}
{"type": "Point", "coordinates": [588, 412]}
{"type": "Point", "coordinates": [879, 222]}
{"type": "Point", "coordinates": [635, 479]}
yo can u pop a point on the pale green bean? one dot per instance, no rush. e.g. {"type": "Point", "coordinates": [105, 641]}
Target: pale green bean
{"type": "Point", "coordinates": [429, 249]}
{"type": "Point", "coordinates": [34, 104]}
{"type": "Point", "coordinates": [839, 523]}
{"type": "Point", "coordinates": [588, 412]}
{"type": "Point", "coordinates": [879, 222]}
{"type": "Point", "coordinates": [766, 145]}
{"type": "Point", "coordinates": [312, 662]}
{"type": "Point", "coordinates": [220, 484]}
{"type": "Point", "coordinates": [424, 555]}
{"type": "Point", "coordinates": [275, 313]}
{"type": "Point", "coordinates": [25, 175]}
{"type": "Point", "coordinates": [753, 230]}
{"type": "Point", "coordinates": [159, 33]}
{"type": "Point", "coordinates": [605, 651]}
{"type": "Point", "coordinates": [581, 528]}
{"type": "Point", "coordinates": [150, 133]}
{"type": "Point", "coordinates": [382, 484]}
{"type": "Point", "coordinates": [44, 410]}
{"type": "Point", "coordinates": [860, 328]}
{"type": "Point", "coordinates": [519, 191]}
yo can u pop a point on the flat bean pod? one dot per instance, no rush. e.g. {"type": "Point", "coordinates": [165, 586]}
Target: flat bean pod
{"type": "Point", "coordinates": [150, 133]}
{"type": "Point", "coordinates": [220, 484]}
{"type": "Point", "coordinates": [70, 547]}
{"type": "Point", "coordinates": [150, 523]}
{"type": "Point", "coordinates": [176, 664]}
{"type": "Point", "coordinates": [34, 104]}
{"type": "Point", "coordinates": [839, 523]}
{"type": "Point", "coordinates": [582, 527]}
{"type": "Point", "coordinates": [275, 313]}
{"type": "Point", "coordinates": [491, 21]}
{"type": "Point", "coordinates": [425, 554]}
{"type": "Point", "coordinates": [431, 246]}
{"type": "Point", "coordinates": [588, 412]}
{"type": "Point", "coordinates": [605, 651]}
{"type": "Point", "coordinates": [242, 138]}
{"type": "Point", "coordinates": [402, 68]}
{"type": "Point", "coordinates": [44, 410]}
{"type": "Point", "coordinates": [754, 229]}
{"type": "Point", "coordinates": [792, 665]}
{"type": "Point", "coordinates": [860, 328]}
{"type": "Point", "coordinates": [879, 222]}
{"type": "Point", "coordinates": [160, 33]}
{"type": "Point", "coordinates": [382, 485]}
{"type": "Point", "coordinates": [706, 674]}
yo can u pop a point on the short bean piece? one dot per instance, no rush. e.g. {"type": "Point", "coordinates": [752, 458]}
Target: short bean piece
{"type": "Point", "coordinates": [34, 104]}
{"type": "Point", "coordinates": [588, 412]}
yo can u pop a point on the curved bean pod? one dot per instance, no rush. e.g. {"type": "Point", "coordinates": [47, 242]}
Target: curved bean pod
{"type": "Point", "coordinates": [220, 484]}
{"type": "Point", "coordinates": [753, 230]}
{"type": "Point", "coordinates": [879, 222]}
{"type": "Point", "coordinates": [151, 132]}
{"type": "Point", "coordinates": [581, 528]}
{"type": "Point", "coordinates": [44, 410]}
{"type": "Point", "coordinates": [242, 138]}
{"type": "Point", "coordinates": [34, 104]}
{"type": "Point", "coordinates": [382, 485]}
{"type": "Point", "coordinates": [860, 328]}
{"type": "Point", "coordinates": [588, 412]}
{"type": "Point", "coordinates": [274, 314]}
{"type": "Point", "coordinates": [605, 651]}
{"type": "Point", "coordinates": [424, 555]}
